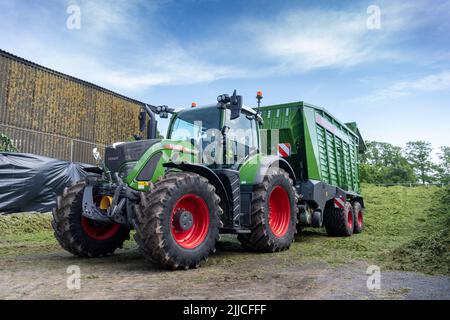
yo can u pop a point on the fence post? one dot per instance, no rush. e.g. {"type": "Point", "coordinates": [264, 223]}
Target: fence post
{"type": "Point", "coordinates": [71, 150]}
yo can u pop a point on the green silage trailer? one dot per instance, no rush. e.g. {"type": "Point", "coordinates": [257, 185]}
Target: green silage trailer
{"type": "Point", "coordinates": [322, 151]}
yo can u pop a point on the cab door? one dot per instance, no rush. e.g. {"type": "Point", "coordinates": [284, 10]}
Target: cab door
{"type": "Point", "coordinates": [242, 140]}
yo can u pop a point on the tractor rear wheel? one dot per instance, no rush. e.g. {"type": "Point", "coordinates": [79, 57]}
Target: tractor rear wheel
{"type": "Point", "coordinates": [358, 217]}
{"type": "Point", "coordinates": [82, 236]}
{"type": "Point", "coordinates": [339, 221]}
{"type": "Point", "coordinates": [177, 222]}
{"type": "Point", "coordinates": [274, 214]}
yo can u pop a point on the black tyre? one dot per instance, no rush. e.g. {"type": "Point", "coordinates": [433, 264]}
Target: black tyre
{"type": "Point", "coordinates": [80, 235]}
{"type": "Point", "coordinates": [301, 210]}
{"type": "Point", "coordinates": [339, 222]}
{"type": "Point", "coordinates": [177, 222]}
{"type": "Point", "coordinates": [358, 217]}
{"type": "Point", "coordinates": [274, 214]}
{"type": "Point", "coordinates": [299, 229]}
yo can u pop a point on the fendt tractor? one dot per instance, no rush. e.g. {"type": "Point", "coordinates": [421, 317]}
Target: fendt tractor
{"type": "Point", "coordinates": [261, 173]}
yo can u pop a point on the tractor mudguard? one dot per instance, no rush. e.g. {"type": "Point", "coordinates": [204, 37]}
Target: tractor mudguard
{"type": "Point", "coordinates": [204, 171]}
{"type": "Point", "coordinates": [273, 161]}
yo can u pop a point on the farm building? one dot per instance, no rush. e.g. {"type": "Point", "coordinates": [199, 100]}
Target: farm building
{"type": "Point", "coordinates": [49, 113]}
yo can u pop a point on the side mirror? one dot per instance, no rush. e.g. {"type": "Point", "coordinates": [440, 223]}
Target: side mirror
{"type": "Point", "coordinates": [235, 106]}
{"type": "Point", "coordinates": [142, 120]}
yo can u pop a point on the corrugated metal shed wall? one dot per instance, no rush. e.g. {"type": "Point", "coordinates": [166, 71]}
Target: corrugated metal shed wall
{"type": "Point", "coordinates": [52, 114]}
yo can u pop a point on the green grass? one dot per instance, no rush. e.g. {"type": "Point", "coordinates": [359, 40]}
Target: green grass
{"type": "Point", "coordinates": [406, 229]}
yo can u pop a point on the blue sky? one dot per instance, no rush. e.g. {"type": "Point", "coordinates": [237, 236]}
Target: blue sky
{"type": "Point", "coordinates": [394, 81]}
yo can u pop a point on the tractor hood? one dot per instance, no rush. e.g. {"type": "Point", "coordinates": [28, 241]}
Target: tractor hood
{"type": "Point", "coordinates": [117, 154]}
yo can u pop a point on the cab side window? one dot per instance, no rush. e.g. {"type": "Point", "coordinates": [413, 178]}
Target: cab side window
{"type": "Point", "coordinates": [242, 139]}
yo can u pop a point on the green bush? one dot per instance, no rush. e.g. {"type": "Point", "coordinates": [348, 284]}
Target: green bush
{"type": "Point", "coordinates": [6, 144]}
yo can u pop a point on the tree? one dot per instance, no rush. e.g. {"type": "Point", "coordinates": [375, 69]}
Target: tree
{"type": "Point", "coordinates": [418, 154]}
{"type": "Point", "coordinates": [6, 145]}
{"type": "Point", "coordinates": [383, 154]}
{"type": "Point", "coordinates": [443, 168]}
{"type": "Point", "coordinates": [385, 163]}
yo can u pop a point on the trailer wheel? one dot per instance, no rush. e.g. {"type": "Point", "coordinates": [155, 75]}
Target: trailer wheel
{"type": "Point", "coordinates": [358, 217]}
{"type": "Point", "coordinates": [80, 235]}
{"type": "Point", "coordinates": [177, 222]}
{"type": "Point", "coordinates": [274, 214]}
{"type": "Point", "coordinates": [339, 222]}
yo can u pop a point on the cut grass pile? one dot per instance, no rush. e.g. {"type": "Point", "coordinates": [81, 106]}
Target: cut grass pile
{"type": "Point", "coordinates": [429, 251]}
{"type": "Point", "coordinates": [406, 229]}
{"type": "Point", "coordinates": [20, 223]}
{"type": "Point", "coordinates": [26, 233]}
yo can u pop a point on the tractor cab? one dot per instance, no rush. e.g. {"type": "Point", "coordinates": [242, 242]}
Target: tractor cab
{"type": "Point", "coordinates": [220, 138]}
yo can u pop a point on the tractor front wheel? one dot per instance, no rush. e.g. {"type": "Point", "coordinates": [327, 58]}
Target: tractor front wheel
{"type": "Point", "coordinates": [177, 222]}
{"type": "Point", "coordinates": [82, 236]}
{"type": "Point", "coordinates": [274, 214]}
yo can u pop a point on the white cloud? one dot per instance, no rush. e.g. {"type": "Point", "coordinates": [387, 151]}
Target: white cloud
{"type": "Point", "coordinates": [311, 39]}
{"type": "Point", "coordinates": [306, 39]}
{"type": "Point", "coordinates": [113, 49]}
{"type": "Point", "coordinates": [429, 83]}
{"type": "Point", "coordinates": [105, 20]}
{"type": "Point", "coordinates": [172, 66]}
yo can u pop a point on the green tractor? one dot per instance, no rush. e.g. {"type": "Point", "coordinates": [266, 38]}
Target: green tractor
{"type": "Point", "coordinates": [215, 173]}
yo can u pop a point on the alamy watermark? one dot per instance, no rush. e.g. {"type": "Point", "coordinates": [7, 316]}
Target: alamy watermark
{"type": "Point", "coordinates": [214, 146]}
{"type": "Point", "coordinates": [374, 19]}
{"type": "Point", "coordinates": [374, 277]}
{"type": "Point", "coordinates": [74, 279]}
{"type": "Point", "coordinates": [73, 21]}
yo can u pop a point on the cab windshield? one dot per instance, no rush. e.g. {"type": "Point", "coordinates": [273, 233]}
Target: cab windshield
{"type": "Point", "coordinates": [193, 124]}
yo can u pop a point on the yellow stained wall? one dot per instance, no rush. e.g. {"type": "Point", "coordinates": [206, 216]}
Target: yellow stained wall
{"type": "Point", "coordinates": [52, 114]}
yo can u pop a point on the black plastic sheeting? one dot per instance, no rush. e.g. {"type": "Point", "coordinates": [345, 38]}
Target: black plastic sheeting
{"type": "Point", "coordinates": [30, 182]}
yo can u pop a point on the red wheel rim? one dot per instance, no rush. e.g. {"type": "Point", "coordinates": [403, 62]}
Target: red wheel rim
{"type": "Point", "coordinates": [360, 219]}
{"type": "Point", "coordinates": [99, 231]}
{"type": "Point", "coordinates": [194, 236]}
{"type": "Point", "coordinates": [279, 211]}
{"type": "Point", "coordinates": [350, 219]}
